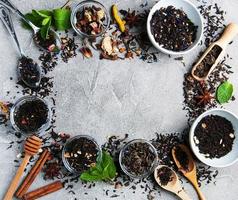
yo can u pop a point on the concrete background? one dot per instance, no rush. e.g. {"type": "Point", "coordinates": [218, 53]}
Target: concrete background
{"type": "Point", "coordinates": [103, 98]}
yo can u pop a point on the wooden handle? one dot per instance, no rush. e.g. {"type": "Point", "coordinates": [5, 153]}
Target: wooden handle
{"type": "Point", "coordinates": [229, 33]}
{"type": "Point", "coordinates": [199, 192]}
{"type": "Point", "coordinates": [12, 188]}
{"type": "Point", "coordinates": [183, 195]}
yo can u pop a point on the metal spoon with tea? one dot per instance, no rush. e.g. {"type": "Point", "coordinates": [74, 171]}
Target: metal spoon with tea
{"type": "Point", "coordinates": [168, 180]}
{"type": "Point", "coordinates": [28, 70]}
{"type": "Point", "coordinates": [188, 171]}
{"type": "Point", "coordinates": [53, 38]}
{"type": "Point", "coordinates": [214, 53]}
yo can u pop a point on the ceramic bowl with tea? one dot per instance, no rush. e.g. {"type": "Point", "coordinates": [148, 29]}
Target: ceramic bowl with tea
{"type": "Point", "coordinates": [214, 138]}
{"type": "Point", "coordinates": [161, 26]}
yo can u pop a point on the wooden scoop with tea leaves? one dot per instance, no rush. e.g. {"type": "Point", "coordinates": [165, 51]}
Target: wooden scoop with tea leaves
{"type": "Point", "coordinates": [186, 165]}
{"type": "Point", "coordinates": [31, 148]}
{"type": "Point", "coordinates": [214, 53]}
{"type": "Point", "coordinates": [168, 180]}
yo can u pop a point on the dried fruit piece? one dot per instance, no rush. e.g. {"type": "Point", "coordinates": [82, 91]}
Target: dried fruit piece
{"type": "Point", "coordinates": [86, 52]}
{"type": "Point", "coordinates": [107, 45]}
{"type": "Point", "coordinates": [4, 107]}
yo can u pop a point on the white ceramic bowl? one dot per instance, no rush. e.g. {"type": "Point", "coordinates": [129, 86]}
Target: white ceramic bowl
{"type": "Point", "coordinates": [226, 160]}
{"type": "Point", "coordinates": [192, 13]}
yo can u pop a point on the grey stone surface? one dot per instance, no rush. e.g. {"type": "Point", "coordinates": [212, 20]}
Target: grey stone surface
{"type": "Point", "coordinates": [102, 98]}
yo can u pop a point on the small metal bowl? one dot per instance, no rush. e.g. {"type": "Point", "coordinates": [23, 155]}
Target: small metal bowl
{"type": "Point", "coordinates": [65, 161]}
{"type": "Point", "coordinates": [80, 7]}
{"type": "Point", "coordinates": [20, 102]}
{"type": "Point", "coordinates": [153, 166]}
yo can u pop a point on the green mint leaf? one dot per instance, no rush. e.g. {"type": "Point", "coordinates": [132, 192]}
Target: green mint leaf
{"type": "Point", "coordinates": [45, 30]}
{"type": "Point", "coordinates": [42, 14]}
{"type": "Point", "coordinates": [224, 92]}
{"type": "Point", "coordinates": [89, 177]}
{"type": "Point", "coordinates": [35, 20]}
{"type": "Point", "coordinates": [109, 168]}
{"type": "Point", "coordinates": [45, 21]}
{"type": "Point", "coordinates": [62, 19]}
{"type": "Point", "coordinates": [105, 169]}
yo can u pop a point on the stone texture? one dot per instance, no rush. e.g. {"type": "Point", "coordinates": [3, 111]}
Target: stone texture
{"type": "Point", "coordinates": [101, 98]}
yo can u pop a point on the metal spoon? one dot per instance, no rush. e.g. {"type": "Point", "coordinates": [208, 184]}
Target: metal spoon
{"type": "Point", "coordinates": [174, 185]}
{"type": "Point", "coordinates": [55, 47]}
{"type": "Point", "coordinates": [34, 70]}
{"type": "Point", "coordinates": [191, 172]}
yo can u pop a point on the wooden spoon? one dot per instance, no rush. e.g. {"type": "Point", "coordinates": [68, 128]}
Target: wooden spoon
{"type": "Point", "coordinates": [190, 173]}
{"type": "Point", "coordinates": [174, 185]}
{"type": "Point", "coordinates": [31, 147]}
{"type": "Point", "coordinates": [229, 33]}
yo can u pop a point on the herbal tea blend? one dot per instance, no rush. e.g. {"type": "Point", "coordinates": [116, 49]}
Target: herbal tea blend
{"type": "Point", "coordinates": [182, 157]}
{"type": "Point", "coordinates": [31, 115]}
{"type": "Point", "coordinates": [81, 154]}
{"type": "Point", "coordinates": [204, 67]}
{"type": "Point", "coordinates": [28, 70]}
{"type": "Point", "coordinates": [172, 29]}
{"type": "Point", "coordinates": [165, 175]}
{"type": "Point", "coordinates": [214, 136]}
{"type": "Point", "coordinates": [138, 158]}
{"type": "Point", "coordinates": [90, 20]}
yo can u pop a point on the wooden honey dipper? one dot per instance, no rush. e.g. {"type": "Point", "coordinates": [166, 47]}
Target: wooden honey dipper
{"type": "Point", "coordinates": [31, 148]}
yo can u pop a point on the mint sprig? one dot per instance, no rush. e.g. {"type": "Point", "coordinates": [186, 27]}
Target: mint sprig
{"type": "Point", "coordinates": [105, 170]}
{"type": "Point", "coordinates": [44, 19]}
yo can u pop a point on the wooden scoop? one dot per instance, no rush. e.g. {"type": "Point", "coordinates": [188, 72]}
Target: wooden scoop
{"type": "Point", "coordinates": [31, 147]}
{"type": "Point", "coordinates": [174, 185]}
{"type": "Point", "coordinates": [191, 172]}
{"type": "Point", "coordinates": [229, 33]}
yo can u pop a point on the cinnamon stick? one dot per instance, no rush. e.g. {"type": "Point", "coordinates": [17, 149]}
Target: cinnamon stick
{"type": "Point", "coordinates": [42, 191]}
{"type": "Point", "coordinates": [32, 174]}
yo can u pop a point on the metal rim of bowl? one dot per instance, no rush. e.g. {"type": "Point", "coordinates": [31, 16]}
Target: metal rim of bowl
{"type": "Point", "coordinates": [166, 51]}
{"type": "Point", "coordinates": [65, 161]}
{"type": "Point", "coordinates": [191, 135]}
{"type": "Point", "coordinates": [73, 17]}
{"type": "Point", "coordinates": [153, 166]}
{"type": "Point", "coordinates": [25, 99]}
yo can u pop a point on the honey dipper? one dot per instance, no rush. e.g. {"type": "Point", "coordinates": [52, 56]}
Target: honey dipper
{"type": "Point", "coordinates": [220, 46]}
{"type": "Point", "coordinates": [31, 147]}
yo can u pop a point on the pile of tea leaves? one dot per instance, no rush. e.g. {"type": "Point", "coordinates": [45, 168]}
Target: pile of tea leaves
{"type": "Point", "coordinates": [200, 96]}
